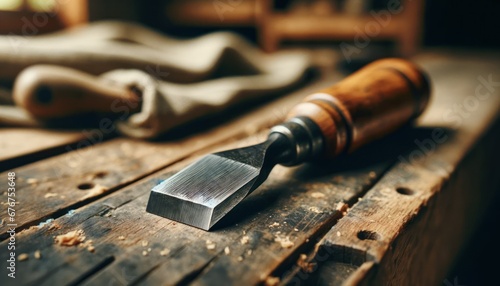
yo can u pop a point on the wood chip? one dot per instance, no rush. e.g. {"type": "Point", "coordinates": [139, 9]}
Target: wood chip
{"type": "Point", "coordinates": [38, 254]}
{"type": "Point", "coordinates": [227, 251]}
{"type": "Point", "coordinates": [317, 195]}
{"type": "Point", "coordinates": [121, 237]}
{"type": "Point", "coordinates": [71, 238]}
{"type": "Point", "coordinates": [284, 241]}
{"type": "Point", "coordinates": [165, 252]}
{"type": "Point", "coordinates": [210, 245]}
{"type": "Point", "coordinates": [274, 224]}
{"type": "Point", "coordinates": [272, 281]}
{"type": "Point", "coordinates": [50, 195]}
{"type": "Point", "coordinates": [341, 206]}
{"type": "Point", "coordinates": [22, 257]}
{"type": "Point", "coordinates": [245, 239]}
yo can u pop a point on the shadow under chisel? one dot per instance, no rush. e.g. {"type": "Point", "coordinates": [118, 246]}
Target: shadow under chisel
{"type": "Point", "coordinates": [369, 104]}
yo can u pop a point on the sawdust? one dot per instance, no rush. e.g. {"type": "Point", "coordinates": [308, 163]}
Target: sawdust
{"type": "Point", "coordinates": [304, 264]}
{"type": "Point", "coordinates": [272, 281]}
{"type": "Point", "coordinates": [144, 243]}
{"type": "Point", "coordinates": [91, 248]}
{"type": "Point", "coordinates": [249, 252]}
{"type": "Point", "coordinates": [54, 226]}
{"type": "Point", "coordinates": [121, 237]}
{"type": "Point", "coordinates": [245, 239]}
{"type": "Point", "coordinates": [240, 258]}
{"type": "Point", "coordinates": [227, 251]}
{"type": "Point", "coordinates": [315, 210]}
{"type": "Point", "coordinates": [295, 229]}
{"type": "Point", "coordinates": [372, 175]}
{"type": "Point", "coordinates": [144, 253]}
{"type": "Point", "coordinates": [317, 195]}
{"type": "Point", "coordinates": [165, 252]}
{"type": "Point", "coordinates": [23, 256]}
{"type": "Point", "coordinates": [37, 254]}
{"type": "Point", "coordinates": [284, 241]}
{"type": "Point", "coordinates": [339, 234]}
{"type": "Point", "coordinates": [50, 195]}
{"type": "Point", "coordinates": [341, 207]}
{"type": "Point", "coordinates": [210, 245]}
{"type": "Point", "coordinates": [95, 191]}
{"type": "Point", "coordinates": [71, 238]}
{"type": "Point", "coordinates": [274, 224]}
{"type": "Point", "coordinates": [32, 181]}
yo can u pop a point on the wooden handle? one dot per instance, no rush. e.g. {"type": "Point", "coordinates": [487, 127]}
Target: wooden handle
{"type": "Point", "coordinates": [369, 104]}
{"type": "Point", "coordinates": [53, 92]}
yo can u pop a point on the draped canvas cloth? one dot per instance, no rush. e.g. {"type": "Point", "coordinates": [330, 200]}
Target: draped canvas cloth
{"type": "Point", "coordinates": [180, 80]}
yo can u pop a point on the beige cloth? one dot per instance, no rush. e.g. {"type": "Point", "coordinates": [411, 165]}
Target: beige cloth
{"type": "Point", "coordinates": [180, 79]}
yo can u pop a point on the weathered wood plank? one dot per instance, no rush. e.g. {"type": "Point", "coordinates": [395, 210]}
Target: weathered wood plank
{"type": "Point", "coordinates": [24, 145]}
{"type": "Point", "coordinates": [302, 203]}
{"type": "Point", "coordinates": [52, 187]}
{"type": "Point", "coordinates": [410, 226]}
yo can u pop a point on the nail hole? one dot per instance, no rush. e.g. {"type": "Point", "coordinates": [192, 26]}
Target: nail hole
{"type": "Point", "coordinates": [86, 186]}
{"type": "Point", "coordinates": [368, 235]}
{"type": "Point", "coordinates": [405, 191]}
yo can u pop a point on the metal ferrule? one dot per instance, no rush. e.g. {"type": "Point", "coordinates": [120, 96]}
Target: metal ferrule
{"type": "Point", "coordinates": [304, 135]}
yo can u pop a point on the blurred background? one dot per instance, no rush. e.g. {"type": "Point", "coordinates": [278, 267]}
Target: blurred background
{"type": "Point", "coordinates": [343, 25]}
{"type": "Point", "coordinates": [280, 23]}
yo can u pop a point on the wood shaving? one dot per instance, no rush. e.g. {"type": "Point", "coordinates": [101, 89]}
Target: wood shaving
{"type": "Point", "coordinates": [23, 256]}
{"type": "Point", "coordinates": [38, 254]}
{"type": "Point", "coordinates": [304, 264]}
{"type": "Point", "coordinates": [95, 191]}
{"type": "Point", "coordinates": [227, 251]}
{"type": "Point", "coordinates": [315, 210]}
{"type": "Point", "coordinates": [245, 239]}
{"type": "Point", "coordinates": [71, 238]}
{"type": "Point", "coordinates": [272, 281]}
{"type": "Point", "coordinates": [341, 206]}
{"type": "Point", "coordinates": [274, 224]}
{"type": "Point", "coordinates": [210, 245]}
{"type": "Point", "coordinates": [317, 195]}
{"type": "Point", "coordinates": [50, 195]}
{"type": "Point", "coordinates": [284, 241]}
{"type": "Point", "coordinates": [165, 252]}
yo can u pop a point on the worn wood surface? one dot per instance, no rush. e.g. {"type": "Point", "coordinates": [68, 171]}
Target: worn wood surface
{"type": "Point", "coordinates": [293, 219]}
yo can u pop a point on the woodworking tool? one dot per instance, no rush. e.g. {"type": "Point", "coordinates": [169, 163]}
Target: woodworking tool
{"type": "Point", "coordinates": [371, 103]}
{"type": "Point", "coordinates": [49, 91]}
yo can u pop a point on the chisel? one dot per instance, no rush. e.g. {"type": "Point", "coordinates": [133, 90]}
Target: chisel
{"type": "Point", "coordinates": [367, 105]}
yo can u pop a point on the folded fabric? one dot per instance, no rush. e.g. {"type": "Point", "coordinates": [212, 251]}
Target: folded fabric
{"type": "Point", "coordinates": [180, 80]}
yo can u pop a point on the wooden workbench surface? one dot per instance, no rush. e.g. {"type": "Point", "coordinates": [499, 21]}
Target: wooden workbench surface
{"type": "Point", "coordinates": [396, 212]}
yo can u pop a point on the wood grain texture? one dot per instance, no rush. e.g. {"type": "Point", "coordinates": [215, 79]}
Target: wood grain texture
{"type": "Point", "coordinates": [18, 144]}
{"type": "Point", "coordinates": [409, 228]}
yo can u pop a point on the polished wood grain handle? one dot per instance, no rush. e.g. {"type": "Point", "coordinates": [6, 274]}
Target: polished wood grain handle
{"type": "Point", "coordinates": [47, 92]}
{"type": "Point", "coordinates": [369, 104]}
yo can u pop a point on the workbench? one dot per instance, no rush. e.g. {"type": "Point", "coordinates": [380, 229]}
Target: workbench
{"type": "Point", "coordinates": [396, 212]}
